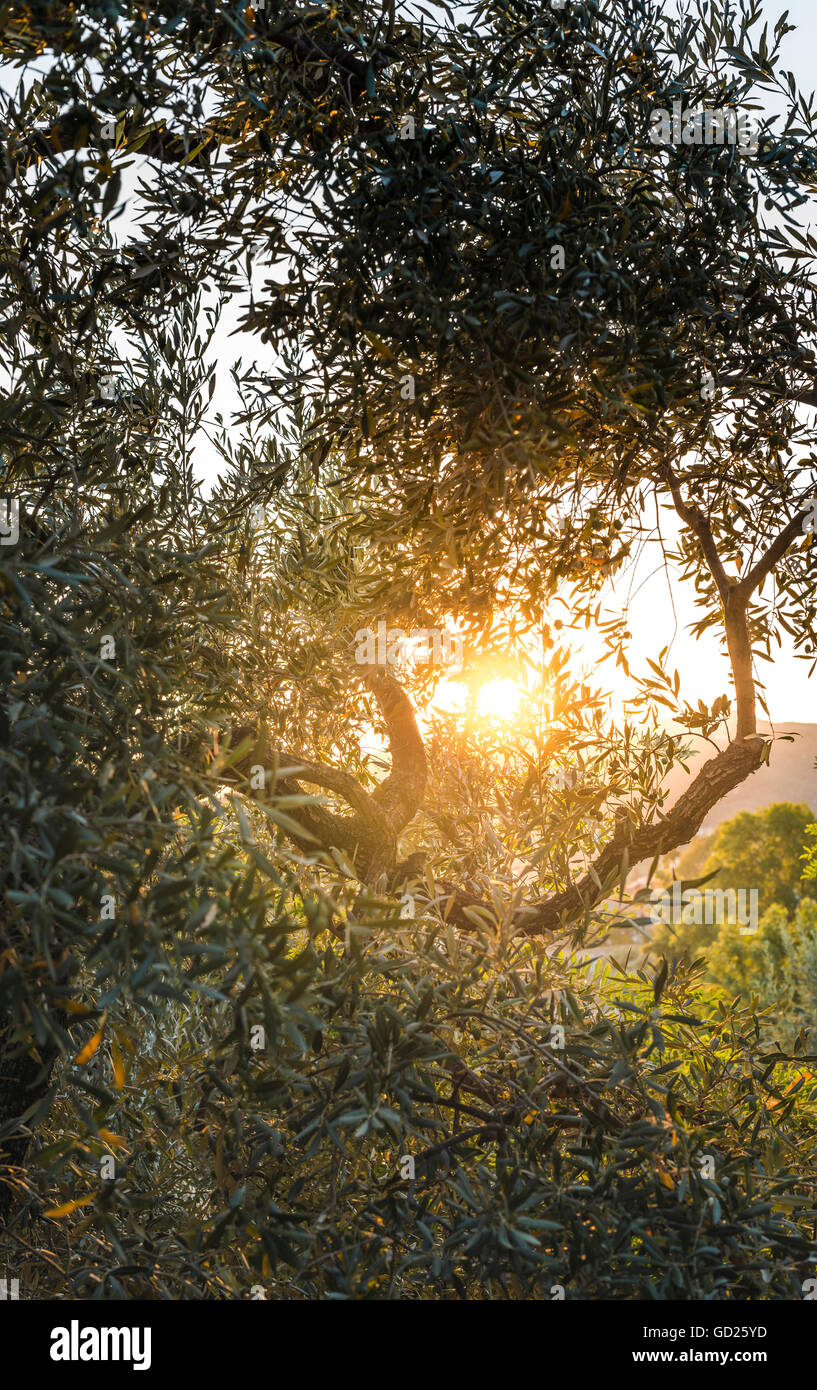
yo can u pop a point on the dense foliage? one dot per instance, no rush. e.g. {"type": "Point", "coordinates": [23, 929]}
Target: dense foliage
{"type": "Point", "coordinates": [775, 968]}
{"type": "Point", "coordinates": [250, 1045]}
{"type": "Point", "coordinates": [764, 848]}
{"type": "Point", "coordinates": [765, 957]}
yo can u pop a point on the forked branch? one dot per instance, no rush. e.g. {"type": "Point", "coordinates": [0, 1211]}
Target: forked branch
{"type": "Point", "coordinates": [369, 836]}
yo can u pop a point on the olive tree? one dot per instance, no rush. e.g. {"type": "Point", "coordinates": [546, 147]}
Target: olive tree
{"type": "Point", "coordinates": [503, 331]}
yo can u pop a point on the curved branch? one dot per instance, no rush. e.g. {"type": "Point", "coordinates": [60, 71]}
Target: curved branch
{"type": "Point", "coordinates": [369, 836]}
{"type": "Point", "coordinates": [400, 795]}
{"type": "Point", "coordinates": [299, 769]}
{"type": "Point", "coordinates": [697, 522]}
{"type": "Point", "coordinates": [354, 835]}
{"type": "Point", "coordinates": [361, 836]}
{"type": "Point", "coordinates": [629, 847]}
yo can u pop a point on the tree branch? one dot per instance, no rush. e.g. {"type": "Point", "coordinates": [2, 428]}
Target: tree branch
{"type": "Point", "coordinates": [629, 847]}
{"type": "Point", "coordinates": [369, 836]}
{"type": "Point", "coordinates": [697, 522]}
{"type": "Point", "coordinates": [734, 596]}
{"type": "Point", "coordinates": [400, 796]}
{"type": "Point", "coordinates": [301, 769]}
{"type": "Point", "coordinates": [716, 778]}
{"type": "Point", "coordinates": [776, 551]}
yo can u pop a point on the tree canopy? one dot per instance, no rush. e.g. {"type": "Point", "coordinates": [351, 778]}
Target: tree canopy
{"type": "Point", "coordinates": [297, 981]}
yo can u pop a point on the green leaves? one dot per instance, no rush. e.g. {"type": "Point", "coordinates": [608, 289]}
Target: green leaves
{"type": "Point", "coordinates": [299, 1086]}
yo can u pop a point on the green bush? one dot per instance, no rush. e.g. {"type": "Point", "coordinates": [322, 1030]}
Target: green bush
{"type": "Point", "coordinates": [775, 966]}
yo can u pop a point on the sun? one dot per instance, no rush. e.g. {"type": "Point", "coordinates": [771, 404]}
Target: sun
{"type": "Point", "coordinates": [499, 699]}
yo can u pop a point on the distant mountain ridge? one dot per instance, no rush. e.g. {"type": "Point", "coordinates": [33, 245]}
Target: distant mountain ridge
{"type": "Point", "coordinates": [790, 776]}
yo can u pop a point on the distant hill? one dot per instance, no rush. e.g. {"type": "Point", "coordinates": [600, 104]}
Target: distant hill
{"type": "Point", "coordinates": [790, 776]}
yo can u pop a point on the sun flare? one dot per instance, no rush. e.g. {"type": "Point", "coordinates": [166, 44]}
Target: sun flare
{"type": "Point", "coordinates": [499, 699]}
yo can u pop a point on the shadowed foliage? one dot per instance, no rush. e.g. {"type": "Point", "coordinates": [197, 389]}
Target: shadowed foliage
{"type": "Point", "coordinates": [299, 986]}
